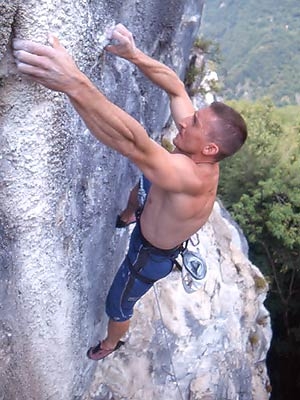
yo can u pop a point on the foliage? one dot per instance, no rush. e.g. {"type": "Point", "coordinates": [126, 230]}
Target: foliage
{"type": "Point", "coordinates": [260, 185]}
{"type": "Point", "coordinates": [259, 41]}
{"type": "Point", "coordinates": [192, 73]}
{"type": "Point", "coordinates": [206, 54]}
{"type": "Point", "coordinates": [242, 173]}
{"type": "Point", "coordinates": [210, 48]}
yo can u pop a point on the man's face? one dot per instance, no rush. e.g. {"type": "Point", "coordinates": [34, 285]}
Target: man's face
{"type": "Point", "coordinates": [193, 131]}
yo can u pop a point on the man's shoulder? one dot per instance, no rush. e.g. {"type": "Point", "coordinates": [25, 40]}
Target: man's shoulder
{"type": "Point", "coordinates": [182, 158]}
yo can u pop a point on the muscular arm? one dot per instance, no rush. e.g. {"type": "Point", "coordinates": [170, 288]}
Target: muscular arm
{"type": "Point", "coordinates": [54, 68]}
{"type": "Point", "coordinates": [109, 123]}
{"type": "Point", "coordinates": [118, 130]}
{"type": "Point", "coordinates": [161, 75]}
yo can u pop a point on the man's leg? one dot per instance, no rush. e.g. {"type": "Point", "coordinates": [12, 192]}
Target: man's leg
{"type": "Point", "coordinates": [112, 342]}
{"type": "Point", "coordinates": [127, 216]}
{"type": "Point", "coordinates": [115, 331]}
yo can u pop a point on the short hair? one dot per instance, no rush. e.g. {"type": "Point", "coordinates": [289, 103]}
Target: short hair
{"type": "Point", "coordinates": [228, 131]}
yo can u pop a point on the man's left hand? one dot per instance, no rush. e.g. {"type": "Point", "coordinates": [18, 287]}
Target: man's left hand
{"type": "Point", "coordinates": [125, 46]}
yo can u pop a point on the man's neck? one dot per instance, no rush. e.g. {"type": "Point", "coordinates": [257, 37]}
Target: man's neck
{"type": "Point", "coordinates": [178, 151]}
{"type": "Point", "coordinates": [205, 162]}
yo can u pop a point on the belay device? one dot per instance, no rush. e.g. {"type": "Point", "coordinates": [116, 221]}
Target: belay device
{"type": "Point", "coordinates": [193, 270]}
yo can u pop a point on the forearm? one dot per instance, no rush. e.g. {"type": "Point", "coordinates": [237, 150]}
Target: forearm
{"type": "Point", "coordinates": [158, 73]}
{"type": "Point", "coordinates": [133, 202]}
{"type": "Point", "coordinates": [107, 122]}
{"type": "Point", "coordinates": [161, 75]}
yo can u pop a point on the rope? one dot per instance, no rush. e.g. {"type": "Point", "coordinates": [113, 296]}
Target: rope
{"type": "Point", "coordinates": [173, 373]}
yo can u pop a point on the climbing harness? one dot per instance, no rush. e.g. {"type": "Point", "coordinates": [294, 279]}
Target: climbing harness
{"type": "Point", "coordinates": [193, 269]}
{"type": "Point", "coordinates": [173, 371]}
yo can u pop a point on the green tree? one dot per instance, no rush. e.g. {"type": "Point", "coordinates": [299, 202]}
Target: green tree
{"type": "Point", "coordinates": [241, 173]}
{"type": "Point", "coordinates": [259, 42]}
{"type": "Point", "coordinates": [260, 185]}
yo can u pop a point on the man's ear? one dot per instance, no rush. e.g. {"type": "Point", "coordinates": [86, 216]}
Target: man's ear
{"type": "Point", "coordinates": [211, 149]}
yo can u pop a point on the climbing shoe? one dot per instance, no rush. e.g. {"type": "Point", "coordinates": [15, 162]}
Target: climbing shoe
{"type": "Point", "coordinates": [96, 353]}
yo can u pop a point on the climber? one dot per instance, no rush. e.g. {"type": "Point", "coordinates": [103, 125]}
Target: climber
{"type": "Point", "coordinates": [183, 183]}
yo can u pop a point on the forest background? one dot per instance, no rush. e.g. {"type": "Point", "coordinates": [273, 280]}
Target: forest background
{"type": "Point", "coordinates": [254, 47]}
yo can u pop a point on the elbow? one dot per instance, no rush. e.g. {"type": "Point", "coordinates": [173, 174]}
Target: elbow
{"type": "Point", "coordinates": [178, 89]}
{"type": "Point", "coordinates": [127, 150]}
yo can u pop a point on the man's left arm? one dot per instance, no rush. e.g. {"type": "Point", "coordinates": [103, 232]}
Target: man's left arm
{"type": "Point", "coordinates": [160, 74]}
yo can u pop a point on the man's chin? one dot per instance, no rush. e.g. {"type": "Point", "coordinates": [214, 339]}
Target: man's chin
{"type": "Point", "coordinates": [177, 148]}
{"type": "Point", "coordinates": [175, 141]}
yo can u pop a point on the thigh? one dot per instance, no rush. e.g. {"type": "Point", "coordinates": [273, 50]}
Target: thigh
{"type": "Point", "coordinates": [124, 292]}
{"type": "Point", "coordinates": [153, 266]}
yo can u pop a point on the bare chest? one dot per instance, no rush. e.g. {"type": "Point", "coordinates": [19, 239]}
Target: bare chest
{"type": "Point", "coordinates": [169, 219]}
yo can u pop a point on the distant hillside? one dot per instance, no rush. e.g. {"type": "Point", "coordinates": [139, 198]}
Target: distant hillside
{"type": "Point", "coordinates": [260, 47]}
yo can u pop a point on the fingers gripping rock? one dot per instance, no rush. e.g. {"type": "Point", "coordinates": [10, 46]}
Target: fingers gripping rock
{"type": "Point", "coordinates": [51, 66]}
{"type": "Point", "coordinates": [124, 45]}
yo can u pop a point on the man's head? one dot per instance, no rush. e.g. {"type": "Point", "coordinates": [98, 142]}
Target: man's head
{"type": "Point", "coordinates": [212, 133]}
{"type": "Point", "coordinates": [227, 130]}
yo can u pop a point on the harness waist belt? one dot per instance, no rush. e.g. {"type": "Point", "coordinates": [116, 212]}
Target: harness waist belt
{"type": "Point", "coordinates": [157, 250]}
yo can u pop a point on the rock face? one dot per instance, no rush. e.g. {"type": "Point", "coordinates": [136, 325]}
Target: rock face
{"type": "Point", "coordinates": [206, 345]}
{"type": "Point", "coordinates": [60, 191]}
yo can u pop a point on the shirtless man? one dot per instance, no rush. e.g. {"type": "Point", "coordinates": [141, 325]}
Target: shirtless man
{"type": "Point", "coordinates": [183, 183]}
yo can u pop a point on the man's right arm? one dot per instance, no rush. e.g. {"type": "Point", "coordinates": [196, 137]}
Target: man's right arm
{"type": "Point", "coordinates": [161, 75]}
{"type": "Point", "coordinates": [54, 68]}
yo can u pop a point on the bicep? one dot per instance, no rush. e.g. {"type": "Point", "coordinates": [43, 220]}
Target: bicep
{"type": "Point", "coordinates": [181, 106]}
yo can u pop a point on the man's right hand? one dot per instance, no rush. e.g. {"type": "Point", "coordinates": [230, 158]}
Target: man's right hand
{"type": "Point", "coordinates": [51, 66]}
{"type": "Point", "coordinates": [125, 46]}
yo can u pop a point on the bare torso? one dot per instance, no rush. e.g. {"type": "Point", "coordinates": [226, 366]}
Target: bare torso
{"type": "Point", "coordinates": [169, 218]}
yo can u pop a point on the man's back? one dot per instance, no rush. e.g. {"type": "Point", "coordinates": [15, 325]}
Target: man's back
{"type": "Point", "coordinates": [169, 218]}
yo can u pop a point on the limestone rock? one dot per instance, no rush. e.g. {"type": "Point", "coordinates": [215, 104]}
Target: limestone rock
{"type": "Point", "coordinates": [210, 344]}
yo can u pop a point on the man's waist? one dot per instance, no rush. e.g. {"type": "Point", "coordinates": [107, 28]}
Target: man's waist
{"type": "Point", "coordinates": [158, 249]}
